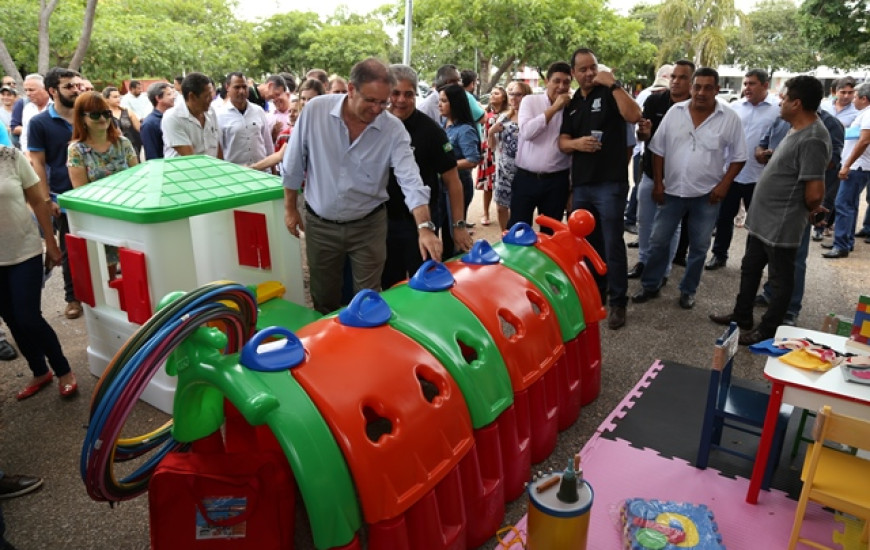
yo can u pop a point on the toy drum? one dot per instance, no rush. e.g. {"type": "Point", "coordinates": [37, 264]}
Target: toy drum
{"type": "Point", "coordinates": [553, 523]}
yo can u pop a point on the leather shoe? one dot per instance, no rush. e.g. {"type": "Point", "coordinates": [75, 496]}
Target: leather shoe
{"type": "Point", "coordinates": [33, 388]}
{"type": "Point", "coordinates": [7, 352]}
{"type": "Point", "coordinates": [867, 240]}
{"type": "Point", "coordinates": [790, 319]}
{"type": "Point", "coordinates": [631, 228]}
{"type": "Point", "coordinates": [836, 253]}
{"type": "Point", "coordinates": [728, 318]}
{"type": "Point", "coordinates": [616, 317]}
{"type": "Point", "coordinates": [715, 262]}
{"type": "Point", "coordinates": [636, 271]}
{"type": "Point", "coordinates": [862, 233]}
{"type": "Point", "coordinates": [679, 260]}
{"type": "Point", "coordinates": [761, 301]}
{"type": "Point", "coordinates": [827, 246]}
{"type": "Point", "coordinates": [633, 244]}
{"type": "Point", "coordinates": [15, 486]}
{"type": "Point", "coordinates": [751, 338]}
{"type": "Point", "coordinates": [687, 301]}
{"type": "Point", "coordinates": [73, 310]}
{"type": "Point", "coordinates": [817, 234]}
{"type": "Point", "coordinates": [644, 296]}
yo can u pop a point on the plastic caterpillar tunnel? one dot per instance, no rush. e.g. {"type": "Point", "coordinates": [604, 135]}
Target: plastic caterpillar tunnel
{"type": "Point", "coordinates": [405, 420]}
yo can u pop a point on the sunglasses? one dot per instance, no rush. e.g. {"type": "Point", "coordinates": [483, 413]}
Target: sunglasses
{"type": "Point", "coordinates": [96, 115]}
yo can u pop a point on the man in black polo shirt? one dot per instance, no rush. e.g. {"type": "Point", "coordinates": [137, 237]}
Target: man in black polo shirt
{"type": "Point", "coordinates": [594, 133]}
{"type": "Point", "coordinates": [48, 136]}
{"type": "Point", "coordinates": [434, 156]}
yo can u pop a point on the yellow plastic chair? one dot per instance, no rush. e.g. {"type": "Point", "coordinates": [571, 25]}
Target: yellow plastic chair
{"type": "Point", "coordinates": [833, 478]}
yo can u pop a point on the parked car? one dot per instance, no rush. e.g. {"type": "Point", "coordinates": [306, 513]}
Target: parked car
{"type": "Point", "coordinates": [728, 95]}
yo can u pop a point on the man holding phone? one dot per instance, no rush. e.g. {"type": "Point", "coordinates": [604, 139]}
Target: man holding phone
{"type": "Point", "coordinates": [788, 194]}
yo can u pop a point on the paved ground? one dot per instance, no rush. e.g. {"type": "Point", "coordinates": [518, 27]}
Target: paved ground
{"type": "Point", "coordinates": [43, 435]}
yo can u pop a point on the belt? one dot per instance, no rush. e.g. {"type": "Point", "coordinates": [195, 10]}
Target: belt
{"type": "Point", "coordinates": [543, 175]}
{"type": "Point", "coordinates": [377, 209]}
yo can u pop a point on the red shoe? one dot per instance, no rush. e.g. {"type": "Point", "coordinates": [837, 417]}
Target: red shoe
{"type": "Point", "coordinates": [33, 389]}
{"type": "Point", "coordinates": [68, 389]}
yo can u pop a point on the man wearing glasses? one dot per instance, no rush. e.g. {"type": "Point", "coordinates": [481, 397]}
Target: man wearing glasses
{"type": "Point", "coordinates": [48, 136]}
{"type": "Point", "coordinates": [343, 146]}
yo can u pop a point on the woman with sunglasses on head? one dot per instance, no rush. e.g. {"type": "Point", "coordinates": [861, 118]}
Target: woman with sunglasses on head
{"type": "Point", "coordinates": [503, 137]}
{"type": "Point", "coordinates": [97, 150]}
{"type": "Point", "coordinates": [22, 271]}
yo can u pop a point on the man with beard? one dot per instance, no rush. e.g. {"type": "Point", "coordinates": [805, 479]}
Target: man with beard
{"type": "Point", "coordinates": [48, 136]}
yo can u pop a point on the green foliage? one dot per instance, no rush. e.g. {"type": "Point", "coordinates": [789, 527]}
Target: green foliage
{"type": "Point", "coordinates": [840, 29]}
{"type": "Point", "coordinates": [133, 38]}
{"type": "Point", "coordinates": [507, 34]}
{"type": "Point", "coordinates": [696, 29]}
{"type": "Point", "coordinates": [285, 39]}
{"type": "Point", "coordinates": [773, 40]}
{"type": "Point", "coordinates": [336, 48]}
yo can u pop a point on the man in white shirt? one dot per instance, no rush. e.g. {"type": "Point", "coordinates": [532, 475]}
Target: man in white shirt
{"type": "Point", "coordinates": [842, 105]}
{"type": "Point", "coordinates": [698, 150]}
{"type": "Point", "coordinates": [136, 100]}
{"type": "Point", "coordinates": [245, 134]}
{"type": "Point", "coordinates": [757, 110]}
{"type": "Point", "coordinates": [854, 175]}
{"type": "Point", "coordinates": [190, 128]}
{"type": "Point", "coordinates": [38, 101]}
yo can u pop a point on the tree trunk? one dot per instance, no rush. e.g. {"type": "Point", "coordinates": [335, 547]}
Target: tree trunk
{"type": "Point", "coordinates": [45, 11]}
{"type": "Point", "coordinates": [499, 72]}
{"type": "Point", "coordinates": [85, 39]}
{"type": "Point", "coordinates": [8, 63]}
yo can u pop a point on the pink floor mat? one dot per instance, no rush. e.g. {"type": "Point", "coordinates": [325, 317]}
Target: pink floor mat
{"type": "Point", "coordinates": [617, 471]}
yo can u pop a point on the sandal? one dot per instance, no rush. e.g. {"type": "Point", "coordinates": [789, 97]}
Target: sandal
{"type": "Point", "coordinates": [485, 221]}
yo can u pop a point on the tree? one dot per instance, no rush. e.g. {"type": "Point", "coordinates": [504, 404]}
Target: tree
{"type": "Point", "coordinates": [695, 29]}
{"type": "Point", "coordinates": [498, 36]}
{"type": "Point", "coordinates": [841, 30]}
{"type": "Point", "coordinates": [26, 15]}
{"type": "Point", "coordinates": [285, 39]}
{"type": "Point", "coordinates": [774, 41]}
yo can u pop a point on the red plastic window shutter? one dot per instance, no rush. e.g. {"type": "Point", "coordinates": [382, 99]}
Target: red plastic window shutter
{"type": "Point", "coordinates": [79, 265]}
{"type": "Point", "coordinates": [252, 239]}
{"type": "Point", "coordinates": [137, 298]}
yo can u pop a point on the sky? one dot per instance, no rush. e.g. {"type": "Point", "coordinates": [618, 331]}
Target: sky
{"type": "Point", "coordinates": [254, 9]}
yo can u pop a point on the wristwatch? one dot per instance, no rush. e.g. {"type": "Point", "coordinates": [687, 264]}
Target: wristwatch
{"type": "Point", "coordinates": [616, 84]}
{"type": "Point", "coordinates": [460, 224]}
{"type": "Point", "coordinates": [427, 225]}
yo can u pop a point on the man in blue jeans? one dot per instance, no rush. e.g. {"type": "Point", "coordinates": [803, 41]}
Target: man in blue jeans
{"type": "Point", "coordinates": [854, 176]}
{"type": "Point", "coordinates": [697, 151]}
{"type": "Point", "coordinates": [600, 168]}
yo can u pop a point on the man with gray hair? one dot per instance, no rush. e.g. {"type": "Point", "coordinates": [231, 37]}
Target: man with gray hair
{"type": "Point", "coordinates": [434, 156]}
{"type": "Point", "coordinates": [344, 146]}
{"type": "Point", "coordinates": [162, 98]}
{"type": "Point", "coordinates": [38, 99]}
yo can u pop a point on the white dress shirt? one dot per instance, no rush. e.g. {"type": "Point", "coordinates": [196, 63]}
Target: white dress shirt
{"type": "Point", "coordinates": [538, 143]}
{"type": "Point", "coordinates": [756, 120]}
{"type": "Point", "coordinates": [245, 138]}
{"type": "Point", "coordinates": [181, 128]}
{"type": "Point", "coordinates": [697, 158]}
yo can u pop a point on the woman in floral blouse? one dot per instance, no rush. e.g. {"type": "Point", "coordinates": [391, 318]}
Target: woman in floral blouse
{"type": "Point", "coordinates": [97, 150]}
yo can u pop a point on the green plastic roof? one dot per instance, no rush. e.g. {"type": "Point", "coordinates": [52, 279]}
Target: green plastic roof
{"type": "Point", "coordinates": [162, 190]}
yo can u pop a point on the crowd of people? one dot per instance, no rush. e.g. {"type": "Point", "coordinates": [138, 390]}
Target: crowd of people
{"type": "Point", "coordinates": [379, 183]}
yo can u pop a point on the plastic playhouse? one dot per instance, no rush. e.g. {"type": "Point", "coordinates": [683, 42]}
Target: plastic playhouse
{"type": "Point", "coordinates": [179, 223]}
{"type": "Point", "coordinates": [404, 421]}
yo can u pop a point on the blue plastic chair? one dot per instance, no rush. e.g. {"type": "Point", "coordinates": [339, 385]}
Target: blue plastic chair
{"type": "Point", "coordinates": [737, 408]}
